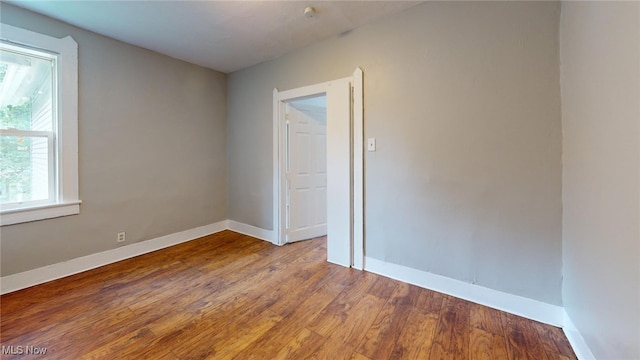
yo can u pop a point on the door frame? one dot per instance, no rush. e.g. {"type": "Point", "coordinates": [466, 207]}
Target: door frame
{"type": "Point", "coordinates": [355, 177]}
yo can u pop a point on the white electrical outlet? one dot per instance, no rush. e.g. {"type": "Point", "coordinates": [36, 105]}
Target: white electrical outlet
{"type": "Point", "coordinates": [121, 237]}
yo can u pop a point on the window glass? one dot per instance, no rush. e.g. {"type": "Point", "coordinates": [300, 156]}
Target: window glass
{"type": "Point", "coordinates": [25, 169]}
{"type": "Point", "coordinates": [26, 98]}
{"type": "Point", "coordinates": [28, 124]}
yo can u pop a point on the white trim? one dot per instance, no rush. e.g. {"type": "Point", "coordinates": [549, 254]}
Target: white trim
{"type": "Point", "coordinates": [66, 110]}
{"type": "Point", "coordinates": [514, 304]}
{"type": "Point", "coordinates": [278, 236]}
{"type": "Point", "coordinates": [576, 340]}
{"type": "Point", "coordinates": [49, 211]}
{"type": "Point", "coordinates": [44, 274]}
{"type": "Point", "coordinates": [358, 171]}
{"type": "Point", "coordinates": [26, 133]}
{"type": "Point", "coordinates": [250, 230]}
{"type": "Point", "coordinates": [68, 121]}
{"type": "Point", "coordinates": [304, 91]}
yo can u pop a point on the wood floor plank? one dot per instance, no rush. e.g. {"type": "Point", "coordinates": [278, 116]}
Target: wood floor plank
{"type": "Point", "coordinates": [332, 349]}
{"type": "Point", "coordinates": [484, 345]}
{"type": "Point", "coordinates": [487, 319]}
{"type": "Point", "coordinates": [121, 347]}
{"type": "Point", "coordinates": [431, 302]}
{"type": "Point", "coordinates": [92, 331]}
{"type": "Point", "coordinates": [299, 286]}
{"type": "Point", "coordinates": [256, 297]}
{"type": "Point", "coordinates": [304, 313]}
{"type": "Point", "coordinates": [188, 288]}
{"type": "Point", "coordinates": [305, 343]}
{"type": "Point", "coordinates": [358, 356]}
{"type": "Point", "coordinates": [236, 338]}
{"type": "Point", "coordinates": [416, 338]}
{"type": "Point", "coordinates": [554, 342]}
{"type": "Point", "coordinates": [176, 331]}
{"type": "Point", "coordinates": [75, 324]}
{"type": "Point", "coordinates": [405, 294]}
{"type": "Point", "coordinates": [380, 340]}
{"type": "Point", "coordinates": [561, 341]}
{"type": "Point", "coordinates": [451, 338]}
{"type": "Point", "coordinates": [230, 296]}
{"type": "Point", "coordinates": [345, 322]}
{"type": "Point", "coordinates": [382, 287]}
{"type": "Point", "coordinates": [523, 341]}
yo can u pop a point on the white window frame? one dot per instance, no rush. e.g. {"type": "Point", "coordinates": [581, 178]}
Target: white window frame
{"type": "Point", "coordinates": [68, 201]}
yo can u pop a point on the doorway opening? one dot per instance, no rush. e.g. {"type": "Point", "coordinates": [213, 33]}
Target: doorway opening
{"type": "Point", "coordinates": [341, 178]}
{"type": "Point", "coordinates": [305, 168]}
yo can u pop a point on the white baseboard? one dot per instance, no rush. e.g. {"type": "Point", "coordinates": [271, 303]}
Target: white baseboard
{"type": "Point", "coordinates": [514, 304]}
{"type": "Point", "coordinates": [576, 340]}
{"type": "Point", "coordinates": [44, 274]}
{"type": "Point", "coordinates": [531, 309]}
{"type": "Point", "coordinates": [250, 230]}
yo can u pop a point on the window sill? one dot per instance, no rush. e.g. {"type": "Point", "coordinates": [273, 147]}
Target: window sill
{"type": "Point", "coordinates": [18, 216]}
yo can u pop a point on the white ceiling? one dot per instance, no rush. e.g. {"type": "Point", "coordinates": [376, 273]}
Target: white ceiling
{"type": "Point", "coordinates": [221, 35]}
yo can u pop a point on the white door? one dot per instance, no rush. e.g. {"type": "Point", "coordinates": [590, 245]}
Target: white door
{"type": "Point", "coordinates": [306, 168]}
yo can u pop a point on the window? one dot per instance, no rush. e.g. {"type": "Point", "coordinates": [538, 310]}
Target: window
{"type": "Point", "coordinates": [38, 126]}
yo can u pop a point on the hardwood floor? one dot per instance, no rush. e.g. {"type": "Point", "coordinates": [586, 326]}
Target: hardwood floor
{"type": "Point", "coordinates": [229, 296]}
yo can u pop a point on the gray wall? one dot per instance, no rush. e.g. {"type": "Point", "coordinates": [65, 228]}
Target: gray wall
{"type": "Point", "coordinates": [600, 46]}
{"type": "Point", "coordinates": [464, 100]}
{"type": "Point", "coordinates": [152, 150]}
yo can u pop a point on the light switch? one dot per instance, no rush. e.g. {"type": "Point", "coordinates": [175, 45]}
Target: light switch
{"type": "Point", "coordinates": [371, 144]}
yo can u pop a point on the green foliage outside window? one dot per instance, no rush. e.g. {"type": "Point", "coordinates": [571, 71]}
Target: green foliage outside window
{"type": "Point", "coordinates": [15, 152]}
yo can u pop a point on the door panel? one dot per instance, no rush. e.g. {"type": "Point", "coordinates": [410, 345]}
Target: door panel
{"type": "Point", "coordinates": [307, 176]}
{"type": "Point", "coordinates": [339, 172]}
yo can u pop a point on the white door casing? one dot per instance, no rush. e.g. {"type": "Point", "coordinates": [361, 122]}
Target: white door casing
{"type": "Point", "coordinates": [306, 171]}
{"type": "Point", "coordinates": [345, 157]}
{"type": "Point", "coordinates": [339, 196]}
